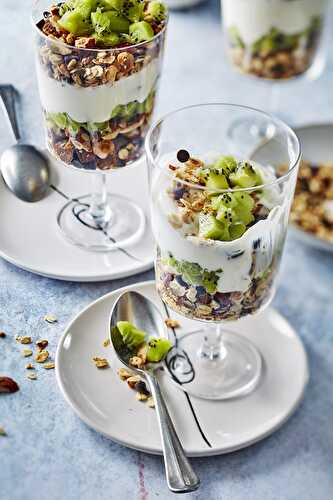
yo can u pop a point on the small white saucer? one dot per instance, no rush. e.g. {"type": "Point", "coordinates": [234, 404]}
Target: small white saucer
{"type": "Point", "coordinates": [206, 428]}
{"type": "Point", "coordinates": [31, 239]}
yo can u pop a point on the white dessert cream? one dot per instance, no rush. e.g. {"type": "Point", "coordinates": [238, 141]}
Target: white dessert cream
{"type": "Point", "coordinates": [235, 258]}
{"type": "Point", "coordinates": [255, 18]}
{"type": "Point", "coordinates": [95, 104]}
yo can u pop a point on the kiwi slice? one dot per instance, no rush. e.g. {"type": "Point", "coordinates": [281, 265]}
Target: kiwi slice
{"type": "Point", "coordinates": [76, 23]}
{"type": "Point", "coordinates": [216, 181]}
{"type": "Point", "coordinates": [157, 11]}
{"type": "Point", "coordinates": [236, 230]}
{"type": "Point", "coordinates": [132, 336]}
{"type": "Point", "coordinates": [141, 32]}
{"type": "Point", "coordinates": [227, 164]}
{"type": "Point", "coordinates": [211, 228]}
{"type": "Point", "coordinates": [158, 348]}
{"type": "Point", "coordinates": [245, 176]}
{"type": "Point", "coordinates": [109, 22]}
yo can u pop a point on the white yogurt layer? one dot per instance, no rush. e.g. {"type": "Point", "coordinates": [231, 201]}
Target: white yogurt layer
{"type": "Point", "coordinates": [95, 104]}
{"type": "Point", "coordinates": [254, 18]}
{"type": "Point", "coordinates": [233, 257]}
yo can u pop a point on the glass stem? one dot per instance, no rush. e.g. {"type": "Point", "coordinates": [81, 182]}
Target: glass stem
{"type": "Point", "coordinates": [213, 347]}
{"type": "Point", "coordinates": [99, 209]}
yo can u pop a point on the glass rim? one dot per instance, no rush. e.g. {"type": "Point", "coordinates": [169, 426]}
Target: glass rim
{"type": "Point", "coordinates": [275, 120]}
{"type": "Point", "coordinates": [100, 49]}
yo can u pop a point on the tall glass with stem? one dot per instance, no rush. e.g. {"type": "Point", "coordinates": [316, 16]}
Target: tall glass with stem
{"type": "Point", "coordinates": [97, 104]}
{"type": "Point", "coordinates": [275, 41]}
{"type": "Point", "coordinates": [219, 211]}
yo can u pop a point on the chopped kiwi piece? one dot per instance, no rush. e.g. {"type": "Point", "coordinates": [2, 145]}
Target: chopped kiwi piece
{"type": "Point", "coordinates": [58, 119]}
{"type": "Point", "coordinates": [109, 22]}
{"type": "Point", "coordinates": [141, 32]}
{"type": "Point", "coordinates": [245, 176]}
{"type": "Point", "coordinates": [133, 10]}
{"type": "Point", "coordinates": [240, 206]}
{"type": "Point", "coordinates": [211, 228]}
{"type": "Point", "coordinates": [209, 281]}
{"type": "Point", "coordinates": [236, 230]}
{"type": "Point", "coordinates": [132, 336]}
{"type": "Point", "coordinates": [74, 22]}
{"type": "Point", "coordinates": [107, 39]}
{"type": "Point", "coordinates": [227, 164]}
{"type": "Point", "coordinates": [158, 348]}
{"type": "Point", "coordinates": [216, 181]}
{"type": "Point", "coordinates": [157, 11]}
{"type": "Point", "coordinates": [235, 37]}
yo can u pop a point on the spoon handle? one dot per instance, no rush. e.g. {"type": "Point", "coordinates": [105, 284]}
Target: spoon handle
{"type": "Point", "coordinates": [181, 478]}
{"type": "Point", "coordinates": [7, 98]}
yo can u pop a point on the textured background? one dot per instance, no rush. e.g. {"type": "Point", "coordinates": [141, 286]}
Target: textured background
{"type": "Point", "coordinates": [48, 452]}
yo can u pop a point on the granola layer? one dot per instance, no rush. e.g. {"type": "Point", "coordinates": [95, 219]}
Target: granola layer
{"type": "Point", "coordinates": [276, 55]}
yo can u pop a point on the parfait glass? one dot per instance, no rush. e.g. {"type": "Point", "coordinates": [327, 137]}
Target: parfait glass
{"type": "Point", "coordinates": [274, 41]}
{"type": "Point", "coordinates": [214, 281]}
{"type": "Point", "coordinates": [97, 105]}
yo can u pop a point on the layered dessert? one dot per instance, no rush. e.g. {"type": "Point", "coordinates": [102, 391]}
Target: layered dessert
{"type": "Point", "coordinates": [219, 223]}
{"type": "Point", "coordinates": [273, 39]}
{"type": "Point", "coordinates": [98, 66]}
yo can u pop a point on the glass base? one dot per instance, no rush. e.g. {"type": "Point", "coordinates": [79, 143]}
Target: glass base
{"type": "Point", "coordinates": [228, 370]}
{"type": "Point", "coordinates": [123, 226]}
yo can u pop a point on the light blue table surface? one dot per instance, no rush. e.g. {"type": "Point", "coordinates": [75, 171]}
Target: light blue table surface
{"type": "Point", "coordinates": [49, 453]}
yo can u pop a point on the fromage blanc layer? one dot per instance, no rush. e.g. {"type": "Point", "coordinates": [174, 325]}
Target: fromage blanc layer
{"type": "Point", "coordinates": [254, 18]}
{"type": "Point", "coordinates": [95, 104]}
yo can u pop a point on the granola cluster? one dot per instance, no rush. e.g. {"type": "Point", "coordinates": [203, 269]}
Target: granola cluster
{"type": "Point", "coordinates": [276, 55]}
{"type": "Point", "coordinates": [312, 209]}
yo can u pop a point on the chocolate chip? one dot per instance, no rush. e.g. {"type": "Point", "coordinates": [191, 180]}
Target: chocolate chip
{"type": "Point", "coordinates": [183, 156]}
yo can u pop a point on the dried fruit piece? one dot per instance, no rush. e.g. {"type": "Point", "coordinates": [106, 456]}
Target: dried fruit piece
{"type": "Point", "coordinates": [101, 362]}
{"type": "Point", "coordinates": [124, 374]}
{"type": "Point", "coordinates": [2, 335]}
{"type": "Point", "coordinates": [106, 342]}
{"type": "Point", "coordinates": [50, 318]}
{"type": "Point", "coordinates": [23, 339]}
{"type": "Point", "coordinates": [49, 366]}
{"type": "Point", "coordinates": [26, 353]}
{"type": "Point", "coordinates": [41, 344]}
{"type": "Point", "coordinates": [172, 323]}
{"type": "Point", "coordinates": [141, 387]}
{"type": "Point", "coordinates": [8, 385]}
{"type": "Point", "coordinates": [29, 366]}
{"type": "Point", "coordinates": [41, 356]}
{"type": "Point", "coordinates": [32, 376]}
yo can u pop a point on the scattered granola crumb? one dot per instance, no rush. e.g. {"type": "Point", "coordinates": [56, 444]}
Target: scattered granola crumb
{"type": "Point", "coordinates": [124, 374]}
{"type": "Point", "coordinates": [41, 356]}
{"type": "Point", "coordinates": [101, 362]}
{"type": "Point", "coordinates": [23, 339]}
{"type": "Point", "coordinates": [41, 344]}
{"type": "Point", "coordinates": [32, 376]}
{"type": "Point", "coordinates": [2, 335]}
{"type": "Point", "coordinates": [50, 318]}
{"type": "Point", "coordinates": [151, 402]}
{"type": "Point", "coordinates": [106, 342]}
{"type": "Point", "coordinates": [8, 385]}
{"type": "Point", "coordinates": [140, 396]}
{"type": "Point", "coordinates": [26, 353]}
{"type": "Point", "coordinates": [131, 381]}
{"type": "Point", "coordinates": [30, 366]}
{"type": "Point", "coordinates": [3, 432]}
{"type": "Point", "coordinates": [49, 366]}
{"type": "Point", "coordinates": [172, 323]}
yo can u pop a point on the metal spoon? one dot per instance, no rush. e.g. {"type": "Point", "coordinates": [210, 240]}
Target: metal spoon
{"type": "Point", "coordinates": [135, 308]}
{"type": "Point", "coordinates": [25, 169]}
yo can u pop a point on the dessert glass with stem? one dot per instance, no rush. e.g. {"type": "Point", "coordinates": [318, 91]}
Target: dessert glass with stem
{"type": "Point", "coordinates": [209, 275]}
{"type": "Point", "coordinates": [275, 41]}
{"type": "Point", "coordinates": [97, 105]}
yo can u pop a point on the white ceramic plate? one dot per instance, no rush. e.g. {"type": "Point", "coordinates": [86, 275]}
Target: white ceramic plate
{"type": "Point", "coordinates": [317, 146]}
{"type": "Point", "coordinates": [105, 403]}
{"type": "Point", "coordinates": [31, 239]}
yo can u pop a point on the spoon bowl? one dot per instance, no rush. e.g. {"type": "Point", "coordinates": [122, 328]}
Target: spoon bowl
{"type": "Point", "coordinates": [26, 172]}
{"type": "Point", "coordinates": [141, 312]}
